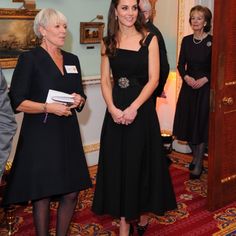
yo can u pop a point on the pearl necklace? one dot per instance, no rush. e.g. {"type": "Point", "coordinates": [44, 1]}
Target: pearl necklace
{"type": "Point", "coordinates": [198, 40]}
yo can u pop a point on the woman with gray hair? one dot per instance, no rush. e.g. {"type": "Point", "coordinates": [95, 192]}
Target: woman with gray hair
{"type": "Point", "coordinates": [49, 159]}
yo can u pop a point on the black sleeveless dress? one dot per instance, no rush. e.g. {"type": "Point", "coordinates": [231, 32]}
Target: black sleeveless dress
{"type": "Point", "coordinates": [133, 176]}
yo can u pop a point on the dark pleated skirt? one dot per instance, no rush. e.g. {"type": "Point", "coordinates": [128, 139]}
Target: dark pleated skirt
{"type": "Point", "coordinates": [133, 175]}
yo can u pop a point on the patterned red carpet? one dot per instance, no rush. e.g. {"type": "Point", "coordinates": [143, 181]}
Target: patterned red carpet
{"type": "Point", "coordinates": [191, 218]}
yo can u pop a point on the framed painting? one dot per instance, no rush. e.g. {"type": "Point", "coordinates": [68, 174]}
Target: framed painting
{"type": "Point", "coordinates": [16, 34]}
{"type": "Point", "coordinates": [91, 32]}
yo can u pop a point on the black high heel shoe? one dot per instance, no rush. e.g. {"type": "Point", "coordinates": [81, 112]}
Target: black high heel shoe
{"type": "Point", "coordinates": [193, 176]}
{"type": "Point", "coordinates": [131, 230]}
{"type": "Point", "coordinates": [191, 166]}
{"type": "Point", "coordinates": [141, 229]}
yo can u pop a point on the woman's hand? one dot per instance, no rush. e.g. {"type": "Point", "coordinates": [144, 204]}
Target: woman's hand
{"type": "Point", "coordinates": [200, 82]}
{"type": "Point", "coordinates": [129, 115]}
{"type": "Point", "coordinates": [116, 114]}
{"type": "Point", "coordinates": [58, 109]}
{"type": "Point", "coordinates": [189, 80]}
{"type": "Point", "coordinates": [78, 101]}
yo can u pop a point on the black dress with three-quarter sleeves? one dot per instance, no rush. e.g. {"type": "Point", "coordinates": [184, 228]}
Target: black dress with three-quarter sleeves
{"type": "Point", "coordinates": [49, 158]}
{"type": "Point", "coordinates": [192, 109]}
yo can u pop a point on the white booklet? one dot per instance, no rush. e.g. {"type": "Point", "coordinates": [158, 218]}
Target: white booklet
{"type": "Point", "coordinates": [61, 97]}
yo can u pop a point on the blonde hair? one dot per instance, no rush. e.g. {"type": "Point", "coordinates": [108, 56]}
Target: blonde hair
{"type": "Point", "coordinates": [46, 17]}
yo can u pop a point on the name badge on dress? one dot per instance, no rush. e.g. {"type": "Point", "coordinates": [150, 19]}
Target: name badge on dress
{"type": "Point", "coordinates": [71, 69]}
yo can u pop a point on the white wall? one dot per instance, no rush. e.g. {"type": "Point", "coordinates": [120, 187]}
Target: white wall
{"type": "Point", "coordinates": [91, 119]}
{"type": "Point", "coordinates": [207, 3]}
{"type": "Point", "coordinates": [166, 20]}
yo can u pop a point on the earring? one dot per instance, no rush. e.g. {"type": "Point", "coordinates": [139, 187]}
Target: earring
{"type": "Point", "coordinates": [43, 38]}
{"type": "Point", "coordinates": [116, 18]}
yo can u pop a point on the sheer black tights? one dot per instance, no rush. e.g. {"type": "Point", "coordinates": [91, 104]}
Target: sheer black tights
{"type": "Point", "coordinates": [65, 212]}
{"type": "Point", "coordinates": [198, 154]}
{"type": "Point", "coordinates": [41, 214]}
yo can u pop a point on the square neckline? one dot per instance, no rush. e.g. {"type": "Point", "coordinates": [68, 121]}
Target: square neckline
{"type": "Point", "coordinates": [145, 39]}
{"type": "Point", "coordinates": [124, 49]}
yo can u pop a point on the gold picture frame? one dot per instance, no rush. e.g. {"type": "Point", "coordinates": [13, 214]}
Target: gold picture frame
{"type": "Point", "coordinates": [16, 34]}
{"type": "Point", "coordinates": [91, 32]}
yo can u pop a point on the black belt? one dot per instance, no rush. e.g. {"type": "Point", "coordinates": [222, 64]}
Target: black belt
{"type": "Point", "coordinates": [124, 82]}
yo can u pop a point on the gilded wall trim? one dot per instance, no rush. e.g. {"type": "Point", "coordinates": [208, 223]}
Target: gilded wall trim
{"type": "Point", "coordinates": [181, 17]}
{"type": "Point", "coordinates": [93, 171]}
{"type": "Point", "coordinates": [229, 178]}
{"type": "Point", "coordinates": [180, 34]}
{"type": "Point", "coordinates": [91, 147]}
{"type": "Point", "coordinates": [91, 80]}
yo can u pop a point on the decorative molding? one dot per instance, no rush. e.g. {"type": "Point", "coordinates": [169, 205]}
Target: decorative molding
{"type": "Point", "coordinates": [165, 132]}
{"type": "Point", "coordinates": [172, 75]}
{"type": "Point", "coordinates": [10, 13]}
{"type": "Point", "coordinates": [27, 4]}
{"type": "Point", "coordinates": [91, 80]}
{"type": "Point", "coordinates": [8, 63]}
{"type": "Point", "coordinates": [182, 142]}
{"type": "Point", "coordinates": [180, 34]}
{"type": "Point", "coordinates": [229, 178]}
{"type": "Point", "coordinates": [91, 147]}
{"type": "Point", "coordinates": [93, 171]}
{"type": "Point", "coordinates": [8, 166]}
{"type": "Point", "coordinates": [153, 4]}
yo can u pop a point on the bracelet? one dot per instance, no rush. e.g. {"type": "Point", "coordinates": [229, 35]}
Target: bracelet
{"type": "Point", "coordinates": [45, 107]}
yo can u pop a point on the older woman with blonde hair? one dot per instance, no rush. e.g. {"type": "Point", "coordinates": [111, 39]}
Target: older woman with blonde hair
{"type": "Point", "coordinates": [49, 160]}
{"type": "Point", "coordinates": [194, 66]}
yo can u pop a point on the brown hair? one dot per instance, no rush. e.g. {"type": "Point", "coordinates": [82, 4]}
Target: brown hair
{"type": "Point", "coordinates": [207, 15]}
{"type": "Point", "coordinates": [113, 28]}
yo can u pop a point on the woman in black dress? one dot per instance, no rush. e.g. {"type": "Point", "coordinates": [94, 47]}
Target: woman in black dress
{"type": "Point", "coordinates": [49, 159]}
{"type": "Point", "coordinates": [133, 176]}
{"type": "Point", "coordinates": [191, 117]}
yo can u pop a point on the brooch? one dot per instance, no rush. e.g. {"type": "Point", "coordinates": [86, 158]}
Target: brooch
{"type": "Point", "coordinates": [208, 43]}
{"type": "Point", "coordinates": [123, 82]}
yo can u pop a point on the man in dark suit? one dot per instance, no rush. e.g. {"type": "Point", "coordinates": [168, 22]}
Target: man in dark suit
{"type": "Point", "coordinates": [7, 124]}
{"type": "Point", "coordinates": [146, 8]}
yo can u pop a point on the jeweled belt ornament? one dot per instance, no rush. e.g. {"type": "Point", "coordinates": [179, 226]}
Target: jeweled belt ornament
{"type": "Point", "coordinates": [123, 82]}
